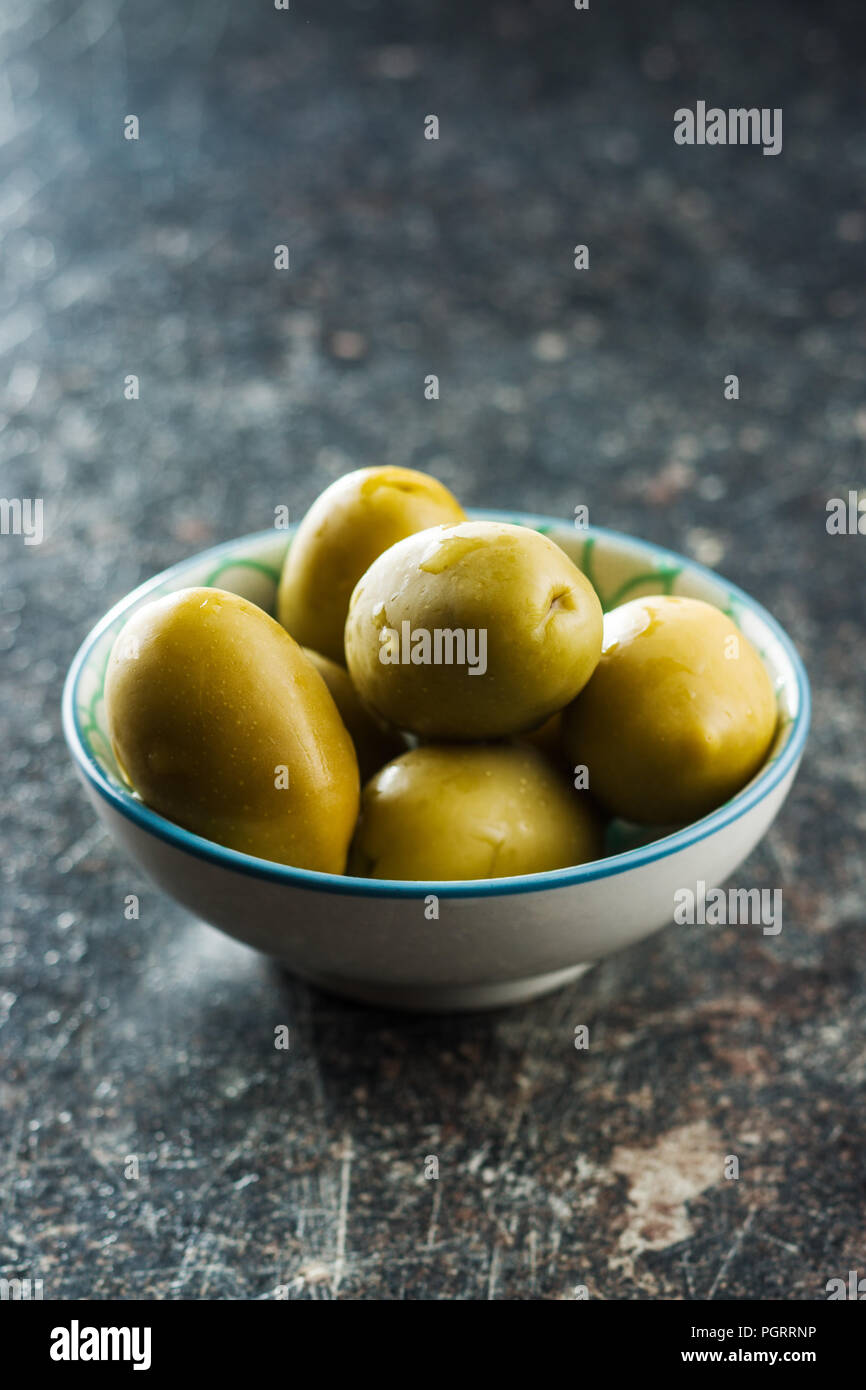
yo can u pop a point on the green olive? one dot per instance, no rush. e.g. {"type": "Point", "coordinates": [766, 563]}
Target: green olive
{"type": "Point", "coordinates": [375, 744]}
{"type": "Point", "coordinates": [347, 527]}
{"type": "Point", "coordinates": [678, 716]}
{"type": "Point", "coordinates": [221, 724]}
{"type": "Point", "coordinates": [473, 631]}
{"type": "Point", "coordinates": [460, 811]}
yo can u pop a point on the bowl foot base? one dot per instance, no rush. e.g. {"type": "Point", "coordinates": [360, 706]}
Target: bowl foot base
{"type": "Point", "coordinates": [444, 999]}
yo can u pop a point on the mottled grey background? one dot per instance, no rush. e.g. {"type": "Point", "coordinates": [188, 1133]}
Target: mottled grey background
{"type": "Point", "coordinates": [154, 1038]}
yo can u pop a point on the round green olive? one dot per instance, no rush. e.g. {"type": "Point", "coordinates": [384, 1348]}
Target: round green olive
{"type": "Point", "coordinates": [678, 716]}
{"type": "Point", "coordinates": [473, 631]}
{"type": "Point", "coordinates": [375, 744]}
{"type": "Point", "coordinates": [221, 724]}
{"type": "Point", "coordinates": [347, 527]}
{"type": "Point", "coordinates": [458, 811]}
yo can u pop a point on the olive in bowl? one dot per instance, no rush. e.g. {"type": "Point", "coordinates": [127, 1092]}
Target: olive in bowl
{"type": "Point", "coordinates": [219, 722]}
{"type": "Point", "coordinates": [472, 811]}
{"type": "Point", "coordinates": [473, 631]}
{"type": "Point", "coordinates": [678, 716]}
{"type": "Point", "coordinates": [347, 527]}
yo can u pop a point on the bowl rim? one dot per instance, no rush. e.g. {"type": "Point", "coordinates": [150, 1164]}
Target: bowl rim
{"type": "Point", "coordinates": [208, 850]}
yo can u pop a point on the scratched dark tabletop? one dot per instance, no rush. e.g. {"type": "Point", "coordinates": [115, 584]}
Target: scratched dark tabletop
{"type": "Point", "coordinates": [264, 1172]}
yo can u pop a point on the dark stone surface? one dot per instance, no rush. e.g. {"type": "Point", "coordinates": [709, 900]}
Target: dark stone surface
{"type": "Point", "coordinates": [558, 1168]}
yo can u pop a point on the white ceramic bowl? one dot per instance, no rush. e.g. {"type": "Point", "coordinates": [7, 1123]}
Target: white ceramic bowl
{"type": "Point", "coordinates": [495, 941]}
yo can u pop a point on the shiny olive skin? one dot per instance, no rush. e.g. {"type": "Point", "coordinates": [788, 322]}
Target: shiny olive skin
{"type": "Point", "coordinates": [211, 708]}
{"type": "Point", "coordinates": [374, 743]}
{"type": "Point", "coordinates": [530, 621]}
{"type": "Point", "coordinates": [678, 716]}
{"type": "Point", "coordinates": [347, 527]}
{"type": "Point", "coordinates": [461, 811]}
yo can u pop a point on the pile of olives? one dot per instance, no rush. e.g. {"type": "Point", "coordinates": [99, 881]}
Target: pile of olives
{"type": "Point", "coordinates": [462, 671]}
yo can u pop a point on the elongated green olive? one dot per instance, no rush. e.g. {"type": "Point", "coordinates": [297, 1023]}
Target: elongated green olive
{"type": "Point", "coordinates": [220, 723]}
{"type": "Point", "coordinates": [347, 527]}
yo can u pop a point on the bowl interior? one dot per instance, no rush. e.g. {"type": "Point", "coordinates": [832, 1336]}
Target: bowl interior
{"type": "Point", "coordinates": [620, 568]}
